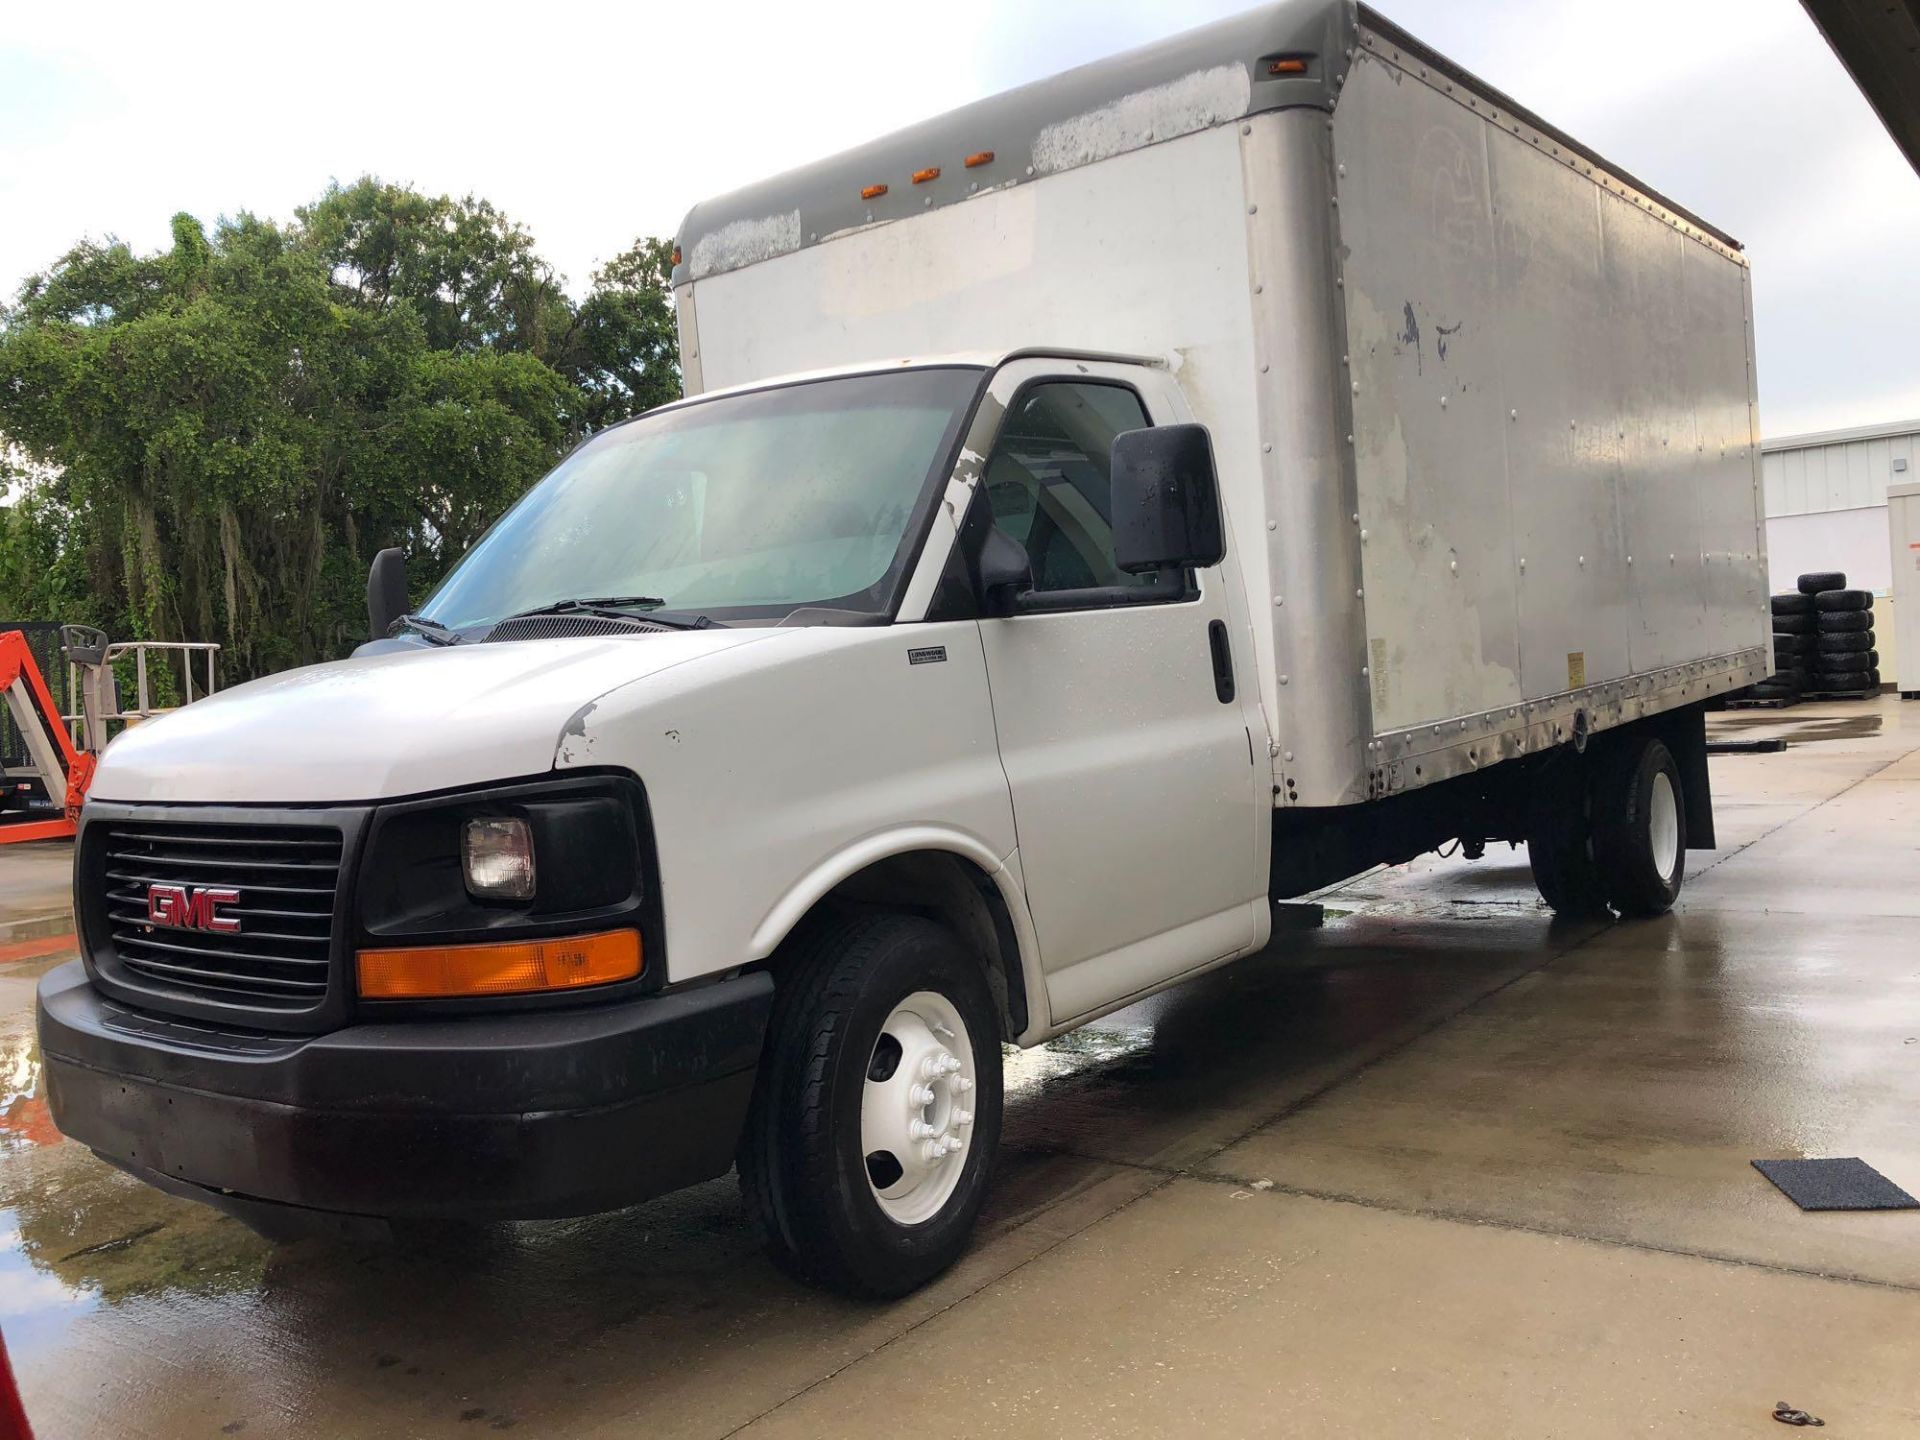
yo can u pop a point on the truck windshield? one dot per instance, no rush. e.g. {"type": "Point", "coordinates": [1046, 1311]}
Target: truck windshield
{"type": "Point", "coordinates": [747, 506]}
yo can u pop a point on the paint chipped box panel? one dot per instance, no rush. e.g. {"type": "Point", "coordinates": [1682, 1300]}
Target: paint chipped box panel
{"type": "Point", "coordinates": [1552, 424]}
{"type": "Point", "coordinates": [1545, 433]}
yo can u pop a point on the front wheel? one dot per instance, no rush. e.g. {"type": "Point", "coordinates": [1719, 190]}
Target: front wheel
{"type": "Point", "coordinates": [870, 1140]}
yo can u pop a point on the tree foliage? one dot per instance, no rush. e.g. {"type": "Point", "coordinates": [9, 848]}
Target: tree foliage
{"type": "Point", "coordinates": [212, 442]}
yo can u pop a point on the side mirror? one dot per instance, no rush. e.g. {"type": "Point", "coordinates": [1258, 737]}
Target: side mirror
{"type": "Point", "coordinates": [1166, 500]}
{"type": "Point", "coordinates": [1003, 571]}
{"type": "Point", "coordinates": [386, 592]}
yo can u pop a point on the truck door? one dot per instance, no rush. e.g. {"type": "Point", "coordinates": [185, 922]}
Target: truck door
{"type": "Point", "coordinates": [1129, 755]}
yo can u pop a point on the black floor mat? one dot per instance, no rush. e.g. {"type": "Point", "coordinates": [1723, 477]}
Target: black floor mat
{"type": "Point", "coordinates": [1849, 1184]}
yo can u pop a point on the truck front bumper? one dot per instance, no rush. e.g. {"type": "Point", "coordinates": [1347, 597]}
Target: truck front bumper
{"type": "Point", "coordinates": [481, 1117]}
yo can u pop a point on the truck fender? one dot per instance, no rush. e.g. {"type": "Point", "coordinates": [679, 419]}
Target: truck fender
{"type": "Point", "coordinates": [843, 864]}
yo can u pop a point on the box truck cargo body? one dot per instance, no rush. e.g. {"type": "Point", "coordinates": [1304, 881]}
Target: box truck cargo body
{"type": "Point", "coordinates": [1483, 404]}
{"type": "Point", "coordinates": [1095, 515]}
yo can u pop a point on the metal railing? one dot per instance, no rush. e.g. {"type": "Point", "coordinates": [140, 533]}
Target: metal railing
{"type": "Point", "coordinates": [94, 681]}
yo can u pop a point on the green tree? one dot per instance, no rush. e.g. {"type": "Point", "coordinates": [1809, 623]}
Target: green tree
{"type": "Point", "coordinates": [212, 441]}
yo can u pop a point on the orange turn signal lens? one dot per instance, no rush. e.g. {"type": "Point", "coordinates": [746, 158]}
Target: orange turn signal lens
{"type": "Point", "coordinates": [873, 192]}
{"type": "Point", "coordinates": [921, 177]}
{"type": "Point", "coordinates": [979, 158]}
{"type": "Point", "coordinates": [515, 967]}
{"type": "Point", "coordinates": [1288, 65]}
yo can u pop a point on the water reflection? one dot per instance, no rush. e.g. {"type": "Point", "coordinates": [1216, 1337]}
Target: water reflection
{"type": "Point", "coordinates": [75, 1233]}
{"type": "Point", "coordinates": [23, 1109]}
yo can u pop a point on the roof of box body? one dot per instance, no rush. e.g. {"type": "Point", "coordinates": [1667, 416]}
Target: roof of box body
{"type": "Point", "coordinates": [1203, 78]}
{"type": "Point", "coordinates": [1191, 82]}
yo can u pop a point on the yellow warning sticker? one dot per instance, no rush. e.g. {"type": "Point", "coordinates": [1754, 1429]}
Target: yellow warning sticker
{"type": "Point", "coordinates": [1378, 649]}
{"type": "Point", "coordinates": [1576, 669]}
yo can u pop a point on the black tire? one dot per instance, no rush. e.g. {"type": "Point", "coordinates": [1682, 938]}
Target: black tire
{"type": "Point", "coordinates": [1846, 682]}
{"type": "Point", "coordinates": [1813, 582]}
{"type": "Point", "coordinates": [1791, 643]}
{"type": "Point", "coordinates": [1793, 603]}
{"type": "Point", "coordinates": [1828, 601]}
{"type": "Point", "coordinates": [1873, 679]}
{"type": "Point", "coordinates": [1560, 840]}
{"type": "Point", "coordinates": [802, 1171]}
{"type": "Point", "coordinates": [1794, 624]}
{"type": "Point", "coordinates": [1836, 622]}
{"type": "Point", "coordinates": [1634, 826]}
{"type": "Point", "coordinates": [1873, 656]}
{"type": "Point", "coordinates": [1843, 642]}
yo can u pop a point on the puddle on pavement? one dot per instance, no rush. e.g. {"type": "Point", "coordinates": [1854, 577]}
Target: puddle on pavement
{"type": "Point", "coordinates": [75, 1233]}
{"type": "Point", "coordinates": [1798, 730]}
{"type": "Point", "coordinates": [1028, 1071]}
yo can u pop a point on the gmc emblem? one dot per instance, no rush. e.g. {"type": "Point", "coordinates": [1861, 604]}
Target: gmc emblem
{"type": "Point", "coordinates": [179, 908]}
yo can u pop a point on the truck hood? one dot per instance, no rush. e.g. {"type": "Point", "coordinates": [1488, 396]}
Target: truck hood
{"type": "Point", "coordinates": [389, 725]}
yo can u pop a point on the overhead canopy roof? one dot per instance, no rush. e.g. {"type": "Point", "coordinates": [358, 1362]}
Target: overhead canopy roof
{"type": "Point", "coordinates": [1879, 43]}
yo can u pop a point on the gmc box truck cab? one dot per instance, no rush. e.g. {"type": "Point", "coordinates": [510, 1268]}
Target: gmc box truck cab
{"type": "Point", "coordinates": [1094, 515]}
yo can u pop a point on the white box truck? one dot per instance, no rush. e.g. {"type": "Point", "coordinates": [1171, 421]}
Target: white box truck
{"type": "Point", "coordinates": [1094, 515]}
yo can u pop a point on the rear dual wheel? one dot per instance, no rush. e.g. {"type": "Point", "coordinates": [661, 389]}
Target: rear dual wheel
{"type": "Point", "coordinates": [1608, 830]}
{"type": "Point", "coordinates": [870, 1140]}
{"type": "Point", "coordinates": [1640, 827]}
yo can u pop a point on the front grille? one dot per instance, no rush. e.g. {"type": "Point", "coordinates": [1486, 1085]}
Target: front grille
{"type": "Point", "coordinates": [280, 957]}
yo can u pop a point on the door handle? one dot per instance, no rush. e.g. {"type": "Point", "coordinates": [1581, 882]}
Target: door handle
{"type": "Point", "coordinates": [1222, 661]}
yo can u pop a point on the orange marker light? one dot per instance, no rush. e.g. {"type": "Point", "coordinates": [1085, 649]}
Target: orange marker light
{"type": "Point", "coordinates": [932, 172]}
{"type": "Point", "coordinates": [676, 254]}
{"type": "Point", "coordinates": [979, 158]}
{"type": "Point", "coordinates": [515, 967]}
{"type": "Point", "coordinates": [1290, 65]}
{"type": "Point", "coordinates": [873, 192]}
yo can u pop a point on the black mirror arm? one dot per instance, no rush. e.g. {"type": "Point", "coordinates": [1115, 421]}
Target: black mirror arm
{"type": "Point", "coordinates": [1003, 573]}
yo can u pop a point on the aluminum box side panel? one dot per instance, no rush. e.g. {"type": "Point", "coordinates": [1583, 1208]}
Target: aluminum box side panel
{"type": "Point", "coordinates": [1428, 434]}
{"type": "Point", "coordinates": [1313, 610]}
{"type": "Point", "coordinates": [1593, 399]}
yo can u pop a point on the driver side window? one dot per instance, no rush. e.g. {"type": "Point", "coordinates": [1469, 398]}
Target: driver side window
{"type": "Point", "coordinates": [1047, 480]}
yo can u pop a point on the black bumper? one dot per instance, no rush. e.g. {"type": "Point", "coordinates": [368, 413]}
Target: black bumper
{"type": "Point", "coordinates": [559, 1112]}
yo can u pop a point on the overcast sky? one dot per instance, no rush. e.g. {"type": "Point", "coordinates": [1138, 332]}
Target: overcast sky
{"type": "Point", "coordinates": [592, 123]}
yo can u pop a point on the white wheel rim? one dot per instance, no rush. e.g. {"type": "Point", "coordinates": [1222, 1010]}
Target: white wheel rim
{"type": "Point", "coordinates": [1663, 827]}
{"type": "Point", "coordinates": [919, 1112]}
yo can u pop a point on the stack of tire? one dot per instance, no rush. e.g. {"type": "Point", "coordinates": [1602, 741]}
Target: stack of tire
{"type": "Point", "coordinates": [1823, 641]}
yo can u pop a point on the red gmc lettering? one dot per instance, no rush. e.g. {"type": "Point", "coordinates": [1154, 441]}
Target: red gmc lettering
{"type": "Point", "coordinates": [179, 908]}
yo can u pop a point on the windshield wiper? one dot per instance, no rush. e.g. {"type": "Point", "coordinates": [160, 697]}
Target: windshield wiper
{"type": "Point", "coordinates": [617, 607]}
{"type": "Point", "coordinates": [432, 630]}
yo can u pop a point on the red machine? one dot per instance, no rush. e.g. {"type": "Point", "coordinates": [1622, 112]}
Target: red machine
{"type": "Point", "coordinates": [47, 739]}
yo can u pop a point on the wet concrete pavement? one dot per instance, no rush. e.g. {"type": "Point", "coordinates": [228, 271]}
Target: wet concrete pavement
{"type": "Point", "coordinates": [36, 889]}
{"type": "Point", "coordinates": [1443, 1167]}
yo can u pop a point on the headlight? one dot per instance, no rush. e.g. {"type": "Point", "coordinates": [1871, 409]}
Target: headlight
{"type": "Point", "coordinates": [526, 863]}
{"type": "Point", "coordinates": [496, 857]}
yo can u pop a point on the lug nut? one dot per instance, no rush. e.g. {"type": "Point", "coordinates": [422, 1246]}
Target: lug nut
{"type": "Point", "coordinates": [962, 1117]}
{"type": "Point", "coordinates": [921, 1095]}
{"type": "Point", "coordinates": [963, 1085]}
{"type": "Point", "coordinates": [921, 1130]}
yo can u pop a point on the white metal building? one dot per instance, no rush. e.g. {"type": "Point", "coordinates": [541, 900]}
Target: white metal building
{"type": "Point", "coordinates": [1826, 497]}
